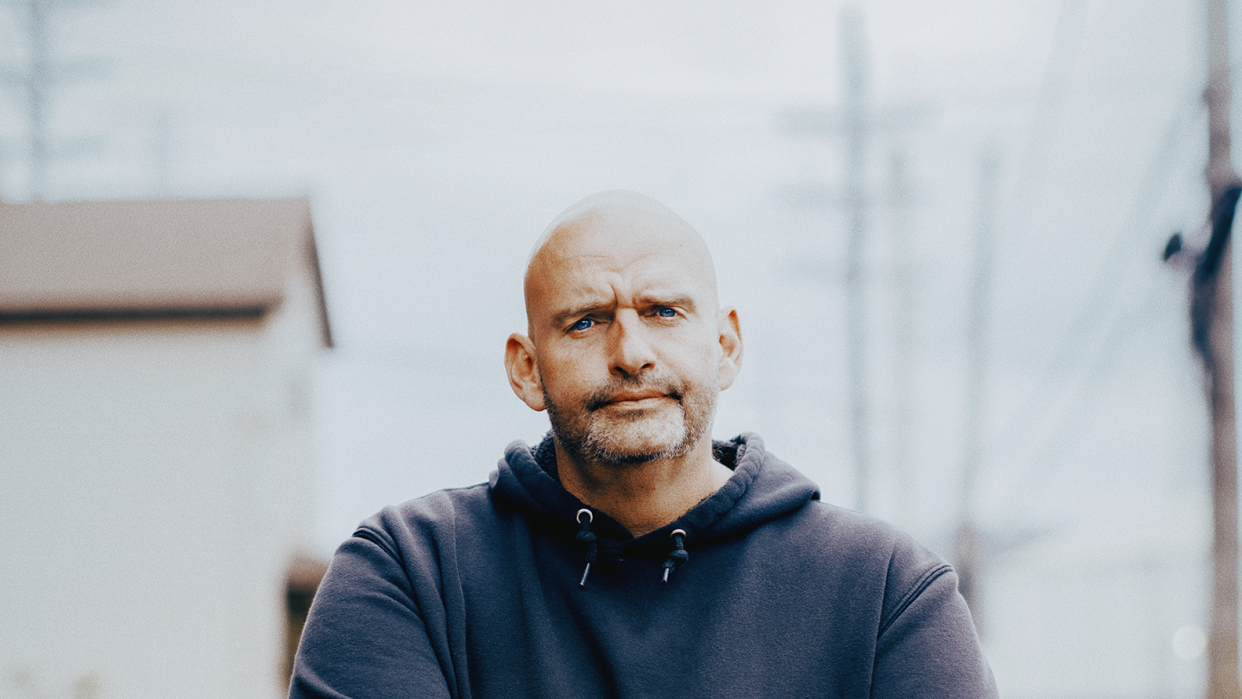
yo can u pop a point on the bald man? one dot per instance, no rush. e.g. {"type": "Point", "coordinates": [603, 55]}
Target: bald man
{"type": "Point", "coordinates": [627, 554]}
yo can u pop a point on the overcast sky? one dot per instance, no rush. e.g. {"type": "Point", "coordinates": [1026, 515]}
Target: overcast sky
{"type": "Point", "coordinates": [436, 139]}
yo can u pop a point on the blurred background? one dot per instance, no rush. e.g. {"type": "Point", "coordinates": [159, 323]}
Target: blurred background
{"type": "Point", "coordinates": [941, 223]}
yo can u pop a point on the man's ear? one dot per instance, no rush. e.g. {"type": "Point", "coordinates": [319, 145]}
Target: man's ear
{"type": "Point", "coordinates": [523, 371]}
{"type": "Point", "coordinates": [730, 346]}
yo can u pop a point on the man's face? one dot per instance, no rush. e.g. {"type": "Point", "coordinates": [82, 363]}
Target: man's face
{"type": "Point", "coordinates": [624, 321]}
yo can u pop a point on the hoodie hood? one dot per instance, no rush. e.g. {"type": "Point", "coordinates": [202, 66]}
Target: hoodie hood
{"type": "Point", "coordinates": [762, 488]}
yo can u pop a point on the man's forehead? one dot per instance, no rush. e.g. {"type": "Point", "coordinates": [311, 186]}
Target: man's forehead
{"type": "Point", "coordinates": [594, 284]}
{"type": "Point", "coordinates": [619, 230]}
{"type": "Point", "coordinates": [589, 253]}
{"type": "Point", "coordinates": [599, 280]}
{"type": "Point", "coordinates": [619, 233]}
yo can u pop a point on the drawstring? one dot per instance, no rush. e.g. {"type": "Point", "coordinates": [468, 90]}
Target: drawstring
{"type": "Point", "coordinates": [587, 538]}
{"type": "Point", "coordinates": [678, 555]}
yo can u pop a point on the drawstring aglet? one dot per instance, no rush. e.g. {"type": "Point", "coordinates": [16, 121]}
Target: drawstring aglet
{"type": "Point", "coordinates": [588, 540]}
{"type": "Point", "coordinates": [678, 555]}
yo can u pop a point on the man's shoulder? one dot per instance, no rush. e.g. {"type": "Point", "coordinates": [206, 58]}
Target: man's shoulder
{"type": "Point", "coordinates": [849, 530]}
{"type": "Point", "coordinates": [868, 551]}
{"type": "Point", "coordinates": [865, 535]}
{"type": "Point", "coordinates": [829, 538]}
{"type": "Point", "coordinates": [433, 514]}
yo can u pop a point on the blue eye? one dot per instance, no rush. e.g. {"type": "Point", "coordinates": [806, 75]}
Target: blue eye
{"type": "Point", "coordinates": [583, 324]}
{"type": "Point", "coordinates": [666, 312]}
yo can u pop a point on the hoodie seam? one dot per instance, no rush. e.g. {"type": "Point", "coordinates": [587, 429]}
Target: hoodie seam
{"type": "Point", "coordinates": [380, 540]}
{"type": "Point", "coordinates": [389, 545]}
{"type": "Point", "coordinates": [928, 578]}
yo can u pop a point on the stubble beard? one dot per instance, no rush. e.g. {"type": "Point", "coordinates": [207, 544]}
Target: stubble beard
{"type": "Point", "coordinates": [591, 432]}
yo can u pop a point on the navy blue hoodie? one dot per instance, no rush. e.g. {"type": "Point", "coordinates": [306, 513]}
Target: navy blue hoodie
{"type": "Point", "coordinates": [478, 593]}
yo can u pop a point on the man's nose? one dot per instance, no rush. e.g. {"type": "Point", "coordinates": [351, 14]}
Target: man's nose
{"type": "Point", "coordinates": [631, 348]}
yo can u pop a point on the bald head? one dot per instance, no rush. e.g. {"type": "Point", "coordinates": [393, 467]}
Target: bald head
{"type": "Point", "coordinates": [611, 232]}
{"type": "Point", "coordinates": [627, 345]}
{"type": "Point", "coordinates": [627, 350]}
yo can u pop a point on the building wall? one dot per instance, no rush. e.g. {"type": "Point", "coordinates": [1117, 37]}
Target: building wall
{"type": "Point", "coordinates": [157, 479]}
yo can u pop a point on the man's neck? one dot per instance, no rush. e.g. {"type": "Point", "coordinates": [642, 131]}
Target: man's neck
{"type": "Point", "coordinates": [644, 497]}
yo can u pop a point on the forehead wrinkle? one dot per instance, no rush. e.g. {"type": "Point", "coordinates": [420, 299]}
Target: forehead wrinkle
{"type": "Point", "coordinates": [667, 297]}
{"type": "Point", "coordinates": [645, 280]}
{"type": "Point", "coordinates": [592, 302]}
{"type": "Point", "coordinates": [611, 232]}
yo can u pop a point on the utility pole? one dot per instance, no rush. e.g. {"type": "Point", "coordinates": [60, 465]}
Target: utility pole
{"type": "Point", "coordinates": [1212, 332]}
{"type": "Point", "coordinates": [162, 154]}
{"type": "Point", "coordinates": [35, 83]}
{"type": "Point", "coordinates": [855, 122]}
{"type": "Point", "coordinates": [855, 128]}
{"type": "Point", "coordinates": [37, 79]}
{"type": "Point", "coordinates": [903, 333]}
{"type": "Point", "coordinates": [967, 542]}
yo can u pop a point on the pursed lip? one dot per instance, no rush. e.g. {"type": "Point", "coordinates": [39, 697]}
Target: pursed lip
{"type": "Point", "coordinates": [635, 398]}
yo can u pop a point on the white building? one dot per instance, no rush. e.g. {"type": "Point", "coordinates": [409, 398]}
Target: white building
{"type": "Point", "coordinates": [156, 447]}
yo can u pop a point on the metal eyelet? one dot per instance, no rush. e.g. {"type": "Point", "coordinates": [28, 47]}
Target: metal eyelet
{"type": "Point", "coordinates": [590, 517]}
{"type": "Point", "coordinates": [675, 532]}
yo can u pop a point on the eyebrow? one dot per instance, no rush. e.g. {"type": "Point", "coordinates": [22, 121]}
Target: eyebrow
{"type": "Point", "coordinates": [682, 301]}
{"type": "Point", "coordinates": [559, 319]}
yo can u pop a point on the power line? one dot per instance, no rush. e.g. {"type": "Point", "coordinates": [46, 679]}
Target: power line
{"type": "Point", "coordinates": [1051, 99]}
{"type": "Point", "coordinates": [1038, 139]}
{"type": "Point", "coordinates": [1122, 255]}
{"type": "Point", "coordinates": [1051, 453]}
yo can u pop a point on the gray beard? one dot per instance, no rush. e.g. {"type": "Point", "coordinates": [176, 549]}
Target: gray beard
{"type": "Point", "coordinates": [590, 436]}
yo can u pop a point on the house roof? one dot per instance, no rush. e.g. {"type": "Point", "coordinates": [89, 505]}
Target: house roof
{"type": "Point", "coordinates": [163, 258]}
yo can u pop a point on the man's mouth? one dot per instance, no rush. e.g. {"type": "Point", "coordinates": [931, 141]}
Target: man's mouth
{"type": "Point", "coordinates": [637, 402]}
{"type": "Point", "coordinates": [635, 396]}
{"type": "Point", "coordinates": [634, 399]}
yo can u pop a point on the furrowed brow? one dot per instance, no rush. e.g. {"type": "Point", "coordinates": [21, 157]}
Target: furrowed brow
{"type": "Point", "coordinates": [677, 300]}
{"type": "Point", "coordinates": [563, 317]}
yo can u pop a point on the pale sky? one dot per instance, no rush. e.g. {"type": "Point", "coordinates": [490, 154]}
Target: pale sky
{"type": "Point", "coordinates": [436, 139]}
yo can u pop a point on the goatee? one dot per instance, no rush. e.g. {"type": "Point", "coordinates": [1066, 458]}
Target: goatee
{"type": "Point", "coordinates": [595, 432]}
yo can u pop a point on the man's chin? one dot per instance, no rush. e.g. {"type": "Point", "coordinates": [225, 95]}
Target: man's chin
{"type": "Point", "coordinates": [636, 439]}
